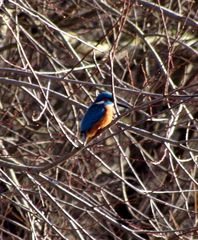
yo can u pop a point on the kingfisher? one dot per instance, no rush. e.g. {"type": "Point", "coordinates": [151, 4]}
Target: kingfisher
{"type": "Point", "coordinates": [98, 116]}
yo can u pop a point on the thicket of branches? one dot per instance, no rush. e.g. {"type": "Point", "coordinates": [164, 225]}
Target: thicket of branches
{"type": "Point", "coordinates": [138, 179]}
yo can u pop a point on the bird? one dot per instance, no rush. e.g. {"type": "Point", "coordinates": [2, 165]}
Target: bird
{"type": "Point", "coordinates": [98, 116]}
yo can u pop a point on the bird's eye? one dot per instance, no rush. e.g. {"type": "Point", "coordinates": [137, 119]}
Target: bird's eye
{"type": "Point", "coordinates": [106, 99]}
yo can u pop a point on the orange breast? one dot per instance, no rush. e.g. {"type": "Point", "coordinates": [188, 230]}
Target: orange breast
{"type": "Point", "coordinates": [104, 121]}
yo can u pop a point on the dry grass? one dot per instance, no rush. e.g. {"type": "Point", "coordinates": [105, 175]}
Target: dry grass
{"type": "Point", "coordinates": [138, 179]}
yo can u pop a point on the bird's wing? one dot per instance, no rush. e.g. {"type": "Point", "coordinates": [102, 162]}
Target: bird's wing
{"type": "Point", "coordinates": [92, 116]}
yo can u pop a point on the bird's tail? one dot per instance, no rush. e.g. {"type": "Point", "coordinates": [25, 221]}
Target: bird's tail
{"type": "Point", "coordinates": [85, 138]}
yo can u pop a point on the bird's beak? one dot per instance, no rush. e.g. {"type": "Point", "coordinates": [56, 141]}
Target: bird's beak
{"type": "Point", "coordinates": [122, 104]}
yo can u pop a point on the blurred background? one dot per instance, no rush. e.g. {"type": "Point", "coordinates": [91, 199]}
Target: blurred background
{"type": "Point", "coordinates": [138, 179]}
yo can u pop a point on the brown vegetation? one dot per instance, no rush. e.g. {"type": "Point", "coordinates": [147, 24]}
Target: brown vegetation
{"type": "Point", "coordinates": [138, 179]}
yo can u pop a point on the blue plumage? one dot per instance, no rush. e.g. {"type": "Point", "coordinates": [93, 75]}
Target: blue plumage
{"type": "Point", "coordinates": [104, 96]}
{"type": "Point", "coordinates": [94, 113]}
{"type": "Point", "coordinates": [98, 115]}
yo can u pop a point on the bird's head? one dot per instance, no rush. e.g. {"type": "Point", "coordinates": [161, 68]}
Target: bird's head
{"type": "Point", "coordinates": [104, 97]}
{"type": "Point", "coordinates": [107, 98]}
